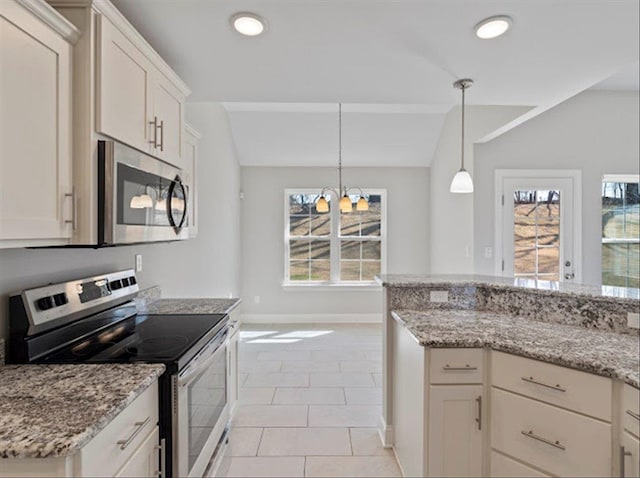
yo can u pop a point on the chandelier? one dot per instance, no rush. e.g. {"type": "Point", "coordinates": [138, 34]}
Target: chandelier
{"type": "Point", "coordinates": [322, 205]}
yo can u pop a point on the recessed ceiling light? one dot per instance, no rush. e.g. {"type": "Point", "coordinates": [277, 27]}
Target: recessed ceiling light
{"type": "Point", "coordinates": [493, 27]}
{"type": "Point", "coordinates": [248, 24]}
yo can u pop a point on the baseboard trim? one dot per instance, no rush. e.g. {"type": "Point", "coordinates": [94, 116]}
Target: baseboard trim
{"type": "Point", "coordinates": [311, 318]}
{"type": "Point", "coordinates": [386, 433]}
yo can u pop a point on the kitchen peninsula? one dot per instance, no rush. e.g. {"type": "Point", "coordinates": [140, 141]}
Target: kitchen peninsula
{"type": "Point", "coordinates": [509, 377]}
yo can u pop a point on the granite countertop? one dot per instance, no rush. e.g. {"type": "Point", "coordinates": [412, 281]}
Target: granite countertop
{"type": "Point", "coordinates": [54, 410]}
{"type": "Point", "coordinates": [603, 353]}
{"type": "Point", "coordinates": [188, 306]}
{"type": "Point", "coordinates": [544, 287]}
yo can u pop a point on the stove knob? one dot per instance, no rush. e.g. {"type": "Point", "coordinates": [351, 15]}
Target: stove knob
{"type": "Point", "coordinates": [125, 282]}
{"type": "Point", "coordinates": [60, 299]}
{"type": "Point", "coordinates": [45, 303]}
{"type": "Point", "coordinates": [132, 280]}
{"type": "Point", "coordinates": [115, 284]}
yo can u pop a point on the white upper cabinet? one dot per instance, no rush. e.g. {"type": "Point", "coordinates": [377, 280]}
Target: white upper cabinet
{"type": "Point", "coordinates": [122, 83]}
{"type": "Point", "coordinates": [135, 102]}
{"type": "Point", "coordinates": [36, 197]}
{"type": "Point", "coordinates": [190, 175]}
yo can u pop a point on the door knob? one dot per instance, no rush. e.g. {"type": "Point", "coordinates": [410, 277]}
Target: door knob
{"type": "Point", "coordinates": [567, 264]}
{"type": "Point", "coordinates": [569, 275]}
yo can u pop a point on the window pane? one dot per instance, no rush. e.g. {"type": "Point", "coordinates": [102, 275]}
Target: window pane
{"type": "Point", "coordinates": [549, 231]}
{"type": "Point", "coordinates": [320, 249]}
{"type": "Point", "coordinates": [370, 269]}
{"type": "Point", "coordinates": [524, 232]}
{"type": "Point", "coordinates": [299, 249]}
{"type": "Point", "coordinates": [370, 225]}
{"type": "Point", "coordinates": [298, 270]}
{"type": "Point", "coordinates": [320, 270]}
{"type": "Point", "coordinates": [371, 250]}
{"type": "Point", "coordinates": [549, 260]}
{"type": "Point", "coordinates": [621, 265]}
{"type": "Point", "coordinates": [299, 225]}
{"type": "Point", "coordinates": [350, 250]}
{"type": "Point", "coordinates": [349, 270]}
{"type": "Point", "coordinates": [321, 225]}
{"type": "Point", "coordinates": [350, 223]}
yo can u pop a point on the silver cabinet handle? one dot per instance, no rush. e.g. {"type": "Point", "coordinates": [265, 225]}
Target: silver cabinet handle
{"type": "Point", "coordinates": [633, 414]}
{"type": "Point", "coordinates": [163, 456]}
{"type": "Point", "coordinates": [155, 131]}
{"type": "Point", "coordinates": [623, 455]}
{"type": "Point", "coordinates": [479, 419]}
{"type": "Point", "coordinates": [139, 426]}
{"type": "Point", "coordinates": [74, 208]}
{"type": "Point", "coordinates": [449, 368]}
{"type": "Point", "coordinates": [161, 135]}
{"type": "Point", "coordinates": [542, 384]}
{"type": "Point", "coordinates": [555, 444]}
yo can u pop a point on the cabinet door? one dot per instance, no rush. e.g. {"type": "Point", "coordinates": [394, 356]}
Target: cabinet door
{"type": "Point", "coordinates": [35, 131]}
{"type": "Point", "coordinates": [630, 456]}
{"type": "Point", "coordinates": [122, 72]}
{"type": "Point", "coordinates": [145, 461]}
{"type": "Point", "coordinates": [168, 116]}
{"type": "Point", "coordinates": [232, 364]}
{"type": "Point", "coordinates": [190, 176]}
{"type": "Point", "coordinates": [455, 430]}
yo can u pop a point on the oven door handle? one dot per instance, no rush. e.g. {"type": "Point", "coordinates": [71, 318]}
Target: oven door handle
{"type": "Point", "coordinates": [196, 367]}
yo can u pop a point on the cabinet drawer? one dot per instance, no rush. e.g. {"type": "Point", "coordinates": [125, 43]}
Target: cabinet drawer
{"type": "Point", "coordinates": [580, 391]}
{"type": "Point", "coordinates": [630, 406]}
{"type": "Point", "coordinates": [558, 441]}
{"type": "Point", "coordinates": [455, 365]}
{"type": "Point", "coordinates": [503, 466]}
{"type": "Point", "coordinates": [629, 456]}
{"type": "Point", "coordinates": [103, 456]}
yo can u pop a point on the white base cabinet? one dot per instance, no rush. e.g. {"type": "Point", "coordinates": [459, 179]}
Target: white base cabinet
{"type": "Point", "coordinates": [36, 196]}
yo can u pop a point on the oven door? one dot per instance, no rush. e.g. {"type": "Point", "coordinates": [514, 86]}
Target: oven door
{"type": "Point", "coordinates": [141, 198]}
{"type": "Point", "coordinates": [201, 413]}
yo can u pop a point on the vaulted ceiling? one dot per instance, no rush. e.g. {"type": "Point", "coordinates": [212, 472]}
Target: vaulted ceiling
{"type": "Point", "coordinates": [392, 62]}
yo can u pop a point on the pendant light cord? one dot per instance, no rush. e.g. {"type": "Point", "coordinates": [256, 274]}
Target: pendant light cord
{"type": "Point", "coordinates": [340, 147]}
{"type": "Point", "coordinates": [464, 87]}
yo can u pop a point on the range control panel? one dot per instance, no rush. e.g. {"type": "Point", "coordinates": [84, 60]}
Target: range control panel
{"type": "Point", "coordinates": [51, 305]}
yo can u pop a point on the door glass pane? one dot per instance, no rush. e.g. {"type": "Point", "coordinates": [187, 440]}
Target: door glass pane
{"type": "Point", "coordinates": [536, 234]}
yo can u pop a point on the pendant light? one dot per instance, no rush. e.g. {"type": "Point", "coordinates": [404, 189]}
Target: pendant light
{"type": "Point", "coordinates": [462, 182]}
{"type": "Point", "coordinates": [345, 205]}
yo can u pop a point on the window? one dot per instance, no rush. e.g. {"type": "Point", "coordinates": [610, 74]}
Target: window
{"type": "Point", "coordinates": [620, 231]}
{"type": "Point", "coordinates": [333, 248]}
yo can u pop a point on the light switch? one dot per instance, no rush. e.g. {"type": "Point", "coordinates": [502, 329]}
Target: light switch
{"type": "Point", "coordinates": [138, 262]}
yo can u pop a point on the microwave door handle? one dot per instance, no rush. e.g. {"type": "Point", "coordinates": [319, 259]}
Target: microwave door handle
{"type": "Point", "coordinates": [177, 182]}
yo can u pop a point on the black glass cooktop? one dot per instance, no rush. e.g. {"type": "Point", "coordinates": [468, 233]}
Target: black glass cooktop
{"type": "Point", "coordinates": [141, 338]}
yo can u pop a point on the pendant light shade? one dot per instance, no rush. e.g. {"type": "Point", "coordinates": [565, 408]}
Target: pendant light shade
{"type": "Point", "coordinates": [345, 204]}
{"type": "Point", "coordinates": [322, 205]}
{"type": "Point", "coordinates": [462, 181]}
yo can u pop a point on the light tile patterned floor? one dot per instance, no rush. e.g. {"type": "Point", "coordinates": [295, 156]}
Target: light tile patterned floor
{"type": "Point", "coordinates": [310, 402]}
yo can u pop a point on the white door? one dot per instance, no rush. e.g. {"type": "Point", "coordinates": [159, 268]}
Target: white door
{"type": "Point", "coordinates": [539, 225]}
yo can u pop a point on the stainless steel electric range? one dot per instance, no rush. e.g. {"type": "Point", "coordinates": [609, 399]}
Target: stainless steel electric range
{"type": "Point", "coordinates": [94, 320]}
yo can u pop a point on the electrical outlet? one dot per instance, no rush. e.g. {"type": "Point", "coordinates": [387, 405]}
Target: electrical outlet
{"type": "Point", "coordinates": [138, 262]}
{"type": "Point", "coordinates": [439, 296]}
{"type": "Point", "coordinates": [633, 320]}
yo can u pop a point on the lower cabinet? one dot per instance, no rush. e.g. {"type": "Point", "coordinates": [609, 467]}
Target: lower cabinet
{"type": "Point", "coordinates": [629, 456]}
{"type": "Point", "coordinates": [145, 461]}
{"type": "Point", "coordinates": [455, 430]}
{"type": "Point", "coordinates": [506, 467]}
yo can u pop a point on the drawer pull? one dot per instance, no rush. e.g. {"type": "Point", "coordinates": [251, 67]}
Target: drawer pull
{"type": "Point", "coordinates": [633, 414]}
{"type": "Point", "coordinates": [155, 131]}
{"type": "Point", "coordinates": [623, 454]}
{"type": "Point", "coordinates": [139, 426]}
{"type": "Point", "coordinates": [556, 443]}
{"type": "Point", "coordinates": [449, 368]}
{"type": "Point", "coordinates": [542, 384]}
{"type": "Point", "coordinates": [479, 418]}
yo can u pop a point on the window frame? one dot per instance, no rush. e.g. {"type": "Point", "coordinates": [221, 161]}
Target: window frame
{"type": "Point", "coordinates": [334, 242]}
{"type": "Point", "coordinates": [616, 178]}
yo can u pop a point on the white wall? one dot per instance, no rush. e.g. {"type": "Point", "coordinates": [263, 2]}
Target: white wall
{"type": "Point", "coordinates": [207, 266]}
{"type": "Point", "coordinates": [451, 235]}
{"type": "Point", "coordinates": [263, 238]}
{"type": "Point", "coordinates": [595, 132]}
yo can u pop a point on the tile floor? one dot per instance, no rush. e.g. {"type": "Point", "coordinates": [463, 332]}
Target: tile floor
{"type": "Point", "coordinates": [310, 402]}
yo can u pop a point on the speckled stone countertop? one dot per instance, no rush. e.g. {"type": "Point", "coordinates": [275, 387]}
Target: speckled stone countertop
{"type": "Point", "coordinates": [188, 306]}
{"type": "Point", "coordinates": [603, 353]}
{"type": "Point", "coordinates": [418, 280]}
{"type": "Point", "coordinates": [54, 410]}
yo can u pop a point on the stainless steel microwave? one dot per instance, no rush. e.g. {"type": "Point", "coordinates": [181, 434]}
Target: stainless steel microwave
{"type": "Point", "coordinates": [140, 198]}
